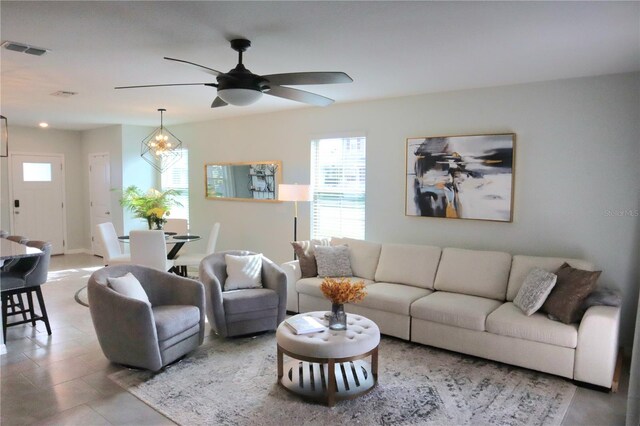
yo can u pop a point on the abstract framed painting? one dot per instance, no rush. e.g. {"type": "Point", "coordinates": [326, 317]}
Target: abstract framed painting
{"type": "Point", "coordinates": [461, 177]}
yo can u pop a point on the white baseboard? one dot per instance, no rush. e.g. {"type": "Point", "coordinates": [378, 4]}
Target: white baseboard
{"type": "Point", "coordinates": [78, 251]}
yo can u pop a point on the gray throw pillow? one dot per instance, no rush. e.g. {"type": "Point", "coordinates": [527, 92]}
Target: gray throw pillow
{"type": "Point", "coordinates": [306, 256]}
{"type": "Point", "coordinates": [535, 290]}
{"type": "Point", "coordinates": [128, 285]}
{"type": "Point", "coordinates": [333, 261]}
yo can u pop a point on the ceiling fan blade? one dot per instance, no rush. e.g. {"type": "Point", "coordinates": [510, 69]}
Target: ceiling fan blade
{"type": "Point", "coordinates": [217, 102]}
{"type": "Point", "coordinates": [164, 85]}
{"type": "Point", "coordinates": [298, 95]}
{"type": "Point", "coordinates": [299, 78]}
{"type": "Point", "coordinates": [207, 69]}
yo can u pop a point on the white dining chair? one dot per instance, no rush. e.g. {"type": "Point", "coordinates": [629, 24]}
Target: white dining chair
{"type": "Point", "coordinates": [149, 248]}
{"type": "Point", "coordinates": [113, 255]}
{"type": "Point", "coordinates": [179, 226]}
{"type": "Point", "coordinates": [193, 259]}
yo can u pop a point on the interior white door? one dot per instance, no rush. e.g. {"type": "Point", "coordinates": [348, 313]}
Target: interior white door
{"type": "Point", "coordinates": [37, 198]}
{"type": "Point", "coordinates": [99, 196]}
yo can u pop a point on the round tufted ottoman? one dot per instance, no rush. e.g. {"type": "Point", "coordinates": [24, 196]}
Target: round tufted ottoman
{"type": "Point", "coordinates": [342, 353]}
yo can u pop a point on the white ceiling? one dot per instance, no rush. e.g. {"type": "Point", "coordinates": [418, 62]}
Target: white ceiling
{"type": "Point", "coordinates": [389, 48]}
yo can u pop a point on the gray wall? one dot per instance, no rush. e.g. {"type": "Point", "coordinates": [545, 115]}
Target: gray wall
{"type": "Point", "coordinates": [577, 152]}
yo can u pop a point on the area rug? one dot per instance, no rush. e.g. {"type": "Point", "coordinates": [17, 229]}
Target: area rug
{"type": "Point", "coordinates": [233, 382]}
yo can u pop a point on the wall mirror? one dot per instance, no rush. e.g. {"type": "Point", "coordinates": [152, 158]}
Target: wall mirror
{"type": "Point", "coordinates": [251, 181]}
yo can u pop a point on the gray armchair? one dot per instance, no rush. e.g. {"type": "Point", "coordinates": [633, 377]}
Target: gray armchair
{"type": "Point", "coordinates": [134, 333]}
{"type": "Point", "coordinates": [238, 312]}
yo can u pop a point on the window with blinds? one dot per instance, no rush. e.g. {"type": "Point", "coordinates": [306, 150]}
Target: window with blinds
{"type": "Point", "coordinates": [338, 171]}
{"type": "Point", "coordinates": [177, 177]}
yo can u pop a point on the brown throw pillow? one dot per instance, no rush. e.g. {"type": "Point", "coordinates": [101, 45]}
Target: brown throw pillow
{"type": "Point", "coordinates": [306, 256]}
{"type": "Point", "coordinates": [572, 287]}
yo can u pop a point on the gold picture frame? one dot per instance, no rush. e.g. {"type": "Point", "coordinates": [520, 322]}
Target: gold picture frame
{"type": "Point", "coordinates": [243, 181]}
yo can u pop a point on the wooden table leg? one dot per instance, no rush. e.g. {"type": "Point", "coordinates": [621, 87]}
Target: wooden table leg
{"type": "Point", "coordinates": [331, 388]}
{"type": "Point", "coordinates": [280, 360]}
{"type": "Point", "coordinates": [374, 364]}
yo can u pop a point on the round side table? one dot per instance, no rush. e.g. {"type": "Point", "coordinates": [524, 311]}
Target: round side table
{"type": "Point", "coordinates": [329, 365]}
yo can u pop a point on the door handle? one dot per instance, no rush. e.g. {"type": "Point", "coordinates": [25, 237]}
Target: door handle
{"type": "Point", "coordinates": [107, 212]}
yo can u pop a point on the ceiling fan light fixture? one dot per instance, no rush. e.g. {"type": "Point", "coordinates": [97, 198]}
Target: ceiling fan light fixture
{"type": "Point", "coordinates": [240, 97]}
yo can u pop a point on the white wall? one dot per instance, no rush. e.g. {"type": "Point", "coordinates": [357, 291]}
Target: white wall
{"type": "Point", "coordinates": [577, 152]}
{"type": "Point", "coordinates": [102, 140]}
{"type": "Point", "coordinates": [50, 141]}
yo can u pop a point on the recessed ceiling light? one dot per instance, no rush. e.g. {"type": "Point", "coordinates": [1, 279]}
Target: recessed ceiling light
{"type": "Point", "coordinates": [43, 125]}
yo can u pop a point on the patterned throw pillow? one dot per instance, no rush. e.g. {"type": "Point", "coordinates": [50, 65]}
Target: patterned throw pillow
{"type": "Point", "coordinates": [333, 261]}
{"type": "Point", "coordinates": [534, 290]}
{"type": "Point", "coordinates": [306, 257]}
{"type": "Point", "coordinates": [572, 287]}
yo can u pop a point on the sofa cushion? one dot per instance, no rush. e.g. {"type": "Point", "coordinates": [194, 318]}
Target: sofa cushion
{"type": "Point", "coordinates": [249, 300]}
{"type": "Point", "coordinates": [389, 297]}
{"type": "Point", "coordinates": [333, 261]}
{"type": "Point", "coordinates": [311, 286]}
{"type": "Point", "coordinates": [172, 320]}
{"type": "Point", "coordinates": [364, 256]}
{"type": "Point", "coordinates": [509, 320]}
{"type": "Point", "coordinates": [572, 288]}
{"type": "Point", "coordinates": [474, 272]}
{"type": "Point", "coordinates": [459, 310]}
{"type": "Point", "coordinates": [522, 265]}
{"type": "Point", "coordinates": [534, 290]}
{"type": "Point", "coordinates": [408, 264]}
{"type": "Point", "coordinates": [306, 257]}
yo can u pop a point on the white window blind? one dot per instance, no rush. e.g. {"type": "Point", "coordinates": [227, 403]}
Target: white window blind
{"type": "Point", "coordinates": [177, 177]}
{"type": "Point", "coordinates": [338, 171]}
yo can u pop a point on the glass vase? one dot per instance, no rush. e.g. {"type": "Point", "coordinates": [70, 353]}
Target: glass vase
{"type": "Point", "coordinates": [338, 319]}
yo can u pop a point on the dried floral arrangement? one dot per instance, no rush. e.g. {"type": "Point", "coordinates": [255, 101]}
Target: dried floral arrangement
{"type": "Point", "coordinates": [342, 290]}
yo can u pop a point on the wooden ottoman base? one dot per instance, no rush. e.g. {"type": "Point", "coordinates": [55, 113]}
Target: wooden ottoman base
{"type": "Point", "coordinates": [310, 378]}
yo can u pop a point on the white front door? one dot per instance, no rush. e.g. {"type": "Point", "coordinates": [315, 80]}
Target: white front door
{"type": "Point", "coordinates": [37, 198]}
{"type": "Point", "coordinates": [99, 196]}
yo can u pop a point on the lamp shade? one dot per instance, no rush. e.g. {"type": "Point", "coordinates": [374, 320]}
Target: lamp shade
{"type": "Point", "coordinates": [295, 192]}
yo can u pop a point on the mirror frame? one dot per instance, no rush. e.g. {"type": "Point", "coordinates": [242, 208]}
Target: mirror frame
{"type": "Point", "coordinates": [277, 181]}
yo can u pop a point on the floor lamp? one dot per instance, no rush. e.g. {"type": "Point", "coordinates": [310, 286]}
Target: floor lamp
{"type": "Point", "coordinates": [295, 193]}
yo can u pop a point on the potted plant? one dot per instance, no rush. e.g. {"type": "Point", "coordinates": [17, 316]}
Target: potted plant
{"type": "Point", "coordinates": [340, 291]}
{"type": "Point", "coordinates": [154, 205]}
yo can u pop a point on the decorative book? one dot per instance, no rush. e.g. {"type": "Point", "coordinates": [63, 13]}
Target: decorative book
{"type": "Point", "coordinates": [304, 324]}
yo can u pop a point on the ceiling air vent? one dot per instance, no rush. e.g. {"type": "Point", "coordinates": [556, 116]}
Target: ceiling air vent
{"type": "Point", "coordinates": [24, 48]}
{"type": "Point", "coordinates": [64, 94]}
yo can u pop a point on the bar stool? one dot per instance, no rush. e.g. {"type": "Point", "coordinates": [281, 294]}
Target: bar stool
{"type": "Point", "coordinates": [26, 277]}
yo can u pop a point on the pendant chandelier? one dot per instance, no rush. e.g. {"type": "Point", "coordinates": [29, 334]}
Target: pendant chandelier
{"type": "Point", "coordinates": [161, 148]}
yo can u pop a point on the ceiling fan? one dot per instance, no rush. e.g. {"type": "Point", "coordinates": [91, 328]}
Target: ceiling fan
{"type": "Point", "coordinates": [241, 87]}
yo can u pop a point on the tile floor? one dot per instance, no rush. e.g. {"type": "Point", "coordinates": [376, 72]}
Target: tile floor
{"type": "Point", "coordinates": [62, 379]}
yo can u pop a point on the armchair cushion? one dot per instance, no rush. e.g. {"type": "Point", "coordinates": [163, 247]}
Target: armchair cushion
{"type": "Point", "coordinates": [243, 271]}
{"type": "Point", "coordinates": [172, 320]}
{"type": "Point", "coordinates": [128, 285]}
{"type": "Point", "coordinates": [255, 299]}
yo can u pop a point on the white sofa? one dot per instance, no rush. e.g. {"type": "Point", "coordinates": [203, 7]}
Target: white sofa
{"type": "Point", "coordinates": [462, 300]}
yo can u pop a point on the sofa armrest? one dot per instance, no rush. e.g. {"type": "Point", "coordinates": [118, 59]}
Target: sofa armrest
{"type": "Point", "coordinates": [597, 345]}
{"type": "Point", "coordinates": [293, 273]}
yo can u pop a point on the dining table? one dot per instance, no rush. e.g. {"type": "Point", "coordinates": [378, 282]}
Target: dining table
{"type": "Point", "coordinates": [175, 241]}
